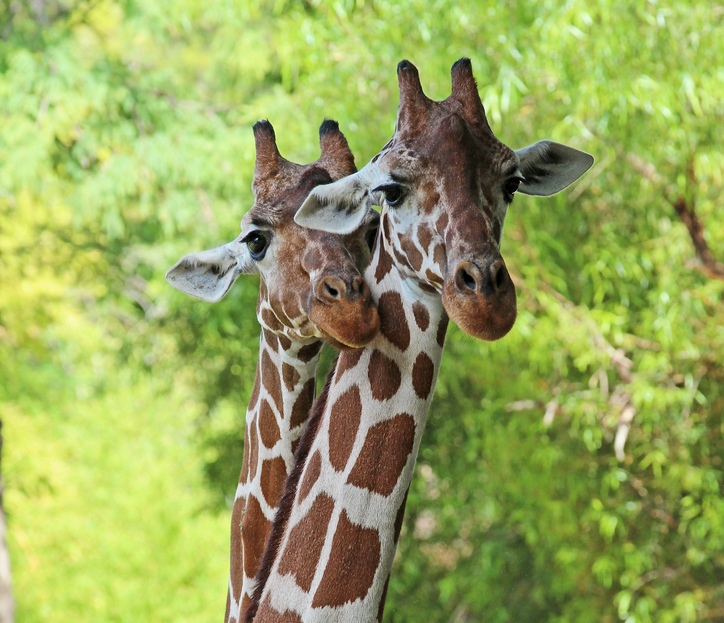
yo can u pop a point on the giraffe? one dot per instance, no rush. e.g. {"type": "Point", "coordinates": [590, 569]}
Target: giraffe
{"type": "Point", "coordinates": [444, 183]}
{"type": "Point", "coordinates": [311, 290]}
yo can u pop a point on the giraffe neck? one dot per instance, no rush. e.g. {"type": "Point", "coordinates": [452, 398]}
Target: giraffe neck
{"type": "Point", "coordinates": [331, 551]}
{"type": "Point", "coordinates": [279, 407]}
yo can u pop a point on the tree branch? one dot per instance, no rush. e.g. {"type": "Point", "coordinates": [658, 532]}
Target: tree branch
{"type": "Point", "coordinates": [706, 262]}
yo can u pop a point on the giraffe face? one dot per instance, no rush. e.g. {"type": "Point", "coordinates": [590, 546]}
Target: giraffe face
{"type": "Point", "coordinates": [311, 282]}
{"type": "Point", "coordinates": [444, 183]}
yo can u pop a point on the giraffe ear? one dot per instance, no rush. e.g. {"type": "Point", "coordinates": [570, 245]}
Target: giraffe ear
{"type": "Point", "coordinates": [339, 207]}
{"type": "Point", "coordinates": [550, 167]}
{"type": "Point", "coordinates": [210, 274]}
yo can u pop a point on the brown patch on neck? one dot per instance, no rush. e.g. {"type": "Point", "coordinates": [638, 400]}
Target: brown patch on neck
{"type": "Point", "coordinates": [311, 475]}
{"type": "Point", "coordinates": [255, 390]}
{"type": "Point", "coordinates": [351, 567]}
{"type": "Point", "coordinates": [442, 329]}
{"type": "Point", "coordinates": [255, 523]}
{"type": "Point", "coordinates": [396, 537]}
{"type": "Point", "coordinates": [422, 316]}
{"type": "Point", "coordinates": [303, 403]}
{"type": "Point", "coordinates": [270, 379]}
{"type": "Point", "coordinates": [268, 613]}
{"type": "Point", "coordinates": [424, 235]}
{"type": "Point", "coordinates": [384, 455]}
{"type": "Point", "coordinates": [384, 376]}
{"type": "Point", "coordinates": [414, 257]}
{"type": "Point", "coordinates": [290, 376]}
{"type": "Point", "coordinates": [422, 374]}
{"type": "Point", "coordinates": [344, 420]}
{"type": "Point", "coordinates": [393, 323]}
{"type": "Point", "coordinates": [307, 353]}
{"type": "Point", "coordinates": [286, 503]}
{"type": "Point", "coordinates": [272, 477]}
{"type": "Point", "coordinates": [284, 341]}
{"type": "Point", "coordinates": [244, 475]}
{"type": "Point", "coordinates": [267, 425]}
{"type": "Point", "coordinates": [312, 532]}
{"type": "Point", "coordinates": [384, 263]}
{"type": "Point", "coordinates": [253, 455]}
{"type": "Point", "coordinates": [348, 359]}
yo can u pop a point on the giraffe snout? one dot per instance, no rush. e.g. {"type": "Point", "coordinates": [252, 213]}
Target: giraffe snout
{"type": "Point", "coordinates": [334, 289]}
{"type": "Point", "coordinates": [493, 278]}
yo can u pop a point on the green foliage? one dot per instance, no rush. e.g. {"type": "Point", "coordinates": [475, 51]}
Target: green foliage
{"type": "Point", "coordinates": [125, 143]}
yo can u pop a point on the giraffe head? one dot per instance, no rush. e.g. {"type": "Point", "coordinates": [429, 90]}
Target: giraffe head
{"type": "Point", "coordinates": [311, 283]}
{"type": "Point", "coordinates": [444, 183]}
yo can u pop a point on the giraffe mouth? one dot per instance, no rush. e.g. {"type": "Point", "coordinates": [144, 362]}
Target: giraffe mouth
{"type": "Point", "coordinates": [351, 328]}
{"type": "Point", "coordinates": [480, 298]}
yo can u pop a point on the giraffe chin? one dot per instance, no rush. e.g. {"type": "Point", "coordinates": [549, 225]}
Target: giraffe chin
{"type": "Point", "coordinates": [487, 318]}
{"type": "Point", "coordinates": [347, 329]}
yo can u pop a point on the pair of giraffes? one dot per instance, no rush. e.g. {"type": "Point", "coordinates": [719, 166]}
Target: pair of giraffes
{"type": "Point", "coordinates": [323, 484]}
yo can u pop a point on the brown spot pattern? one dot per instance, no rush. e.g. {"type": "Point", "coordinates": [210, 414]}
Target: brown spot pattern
{"type": "Point", "coordinates": [441, 330]}
{"type": "Point", "coordinates": [255, 390]}
{"type": "Point", "coordinates": [393, 323]}
{"type": "Point", "coordinates": [422, 316]}
{"type": "Point", "coordinates": [268, 318]}
{"type": "Point", "coordinates": [254, 523]}
{"type": "Point", "coordinates": [441, 224]}
{"type": "Point", "coordinates": [295, 445]}
{"type": "Point", "coordinates": [344, 419]}
{"type": "Point", "coordinates": [424, 235]}
{"type": "Point", "coordinates": [272, 479]}
{"type": "Point", "coordinates": [352, 565]}
{"type": "Point", "coordinates": [284, 341]}
{"type": "Point", "coordinates": [422, 374]}
{"type": "Point", "coordinates": [311, 474]}
{"type": "Point", "coordinates": [271, 340]}
{"type": "Point", "coordinates": [384, 264]}
{"type": "Point", "coordinates": [290, 376]}
{"type": "Point", "coordinates": [267, 425]}
{"type": "Point", "coordinates": [414, 257]}
{"type": "Point", "coordinates": [267, 613]}
{"type": "Point", "coordinates": [386, 229]}
{"type": "Point", "coordinates": [253, 455]}
{"type": "Point", "coordinates": [384, 376]}
{"type": "Point", "coordinates": [434, 278]}
{"type": "Point", "coordinates": [348, 359]}
{"type": "Point", "coordinates": [311, 532]}
{"type": "Point", "coordinates": [307, 353]}
{"type": "Point", "coordinates": [236, 570]}
{"type": "Point", "coordinates": [384, 454]}
{"type": "Point", "coordinates": [270, 379]}
{"type": "Point", "coordinates": [303, 403]}
{"type": "Point", "coordinates": [439, 256]}
{"type": "Point", "coordinates": [244, 476]}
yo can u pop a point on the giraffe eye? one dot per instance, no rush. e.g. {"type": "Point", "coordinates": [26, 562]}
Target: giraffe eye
{"type": "Point", "coordinates": [510, 187]}
{"type": "Point", "coordinates": [257, 245]}
{"type": "Point", "coordinates": [392, 192]}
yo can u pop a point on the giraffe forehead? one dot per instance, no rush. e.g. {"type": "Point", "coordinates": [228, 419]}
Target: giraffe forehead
{"type": "Point", "coordinates": [445, 145]}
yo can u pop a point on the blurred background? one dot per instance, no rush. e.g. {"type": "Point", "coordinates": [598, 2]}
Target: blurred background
{"type": "Point", "coordinates": [571, 472]}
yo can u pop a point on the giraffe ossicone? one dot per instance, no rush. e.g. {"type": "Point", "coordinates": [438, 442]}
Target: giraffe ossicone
{"type": "Point", "coordinates": [311, 289]}
{"type": "Point", "coordinates": [444, 183]}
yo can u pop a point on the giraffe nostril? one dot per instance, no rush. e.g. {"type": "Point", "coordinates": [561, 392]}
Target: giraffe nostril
{"type": "Point", "coordinates": [499, 275]}
{"type": "Point", "coordinates": [333, 292]}
{"type": "Point", "coordinates": [330, 289]}
{"type": "Point", "coordinates": [467, 279]}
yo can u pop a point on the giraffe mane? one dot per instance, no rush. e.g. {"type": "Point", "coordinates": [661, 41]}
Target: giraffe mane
{"type": "Point", "coordinates": [281, 518]}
